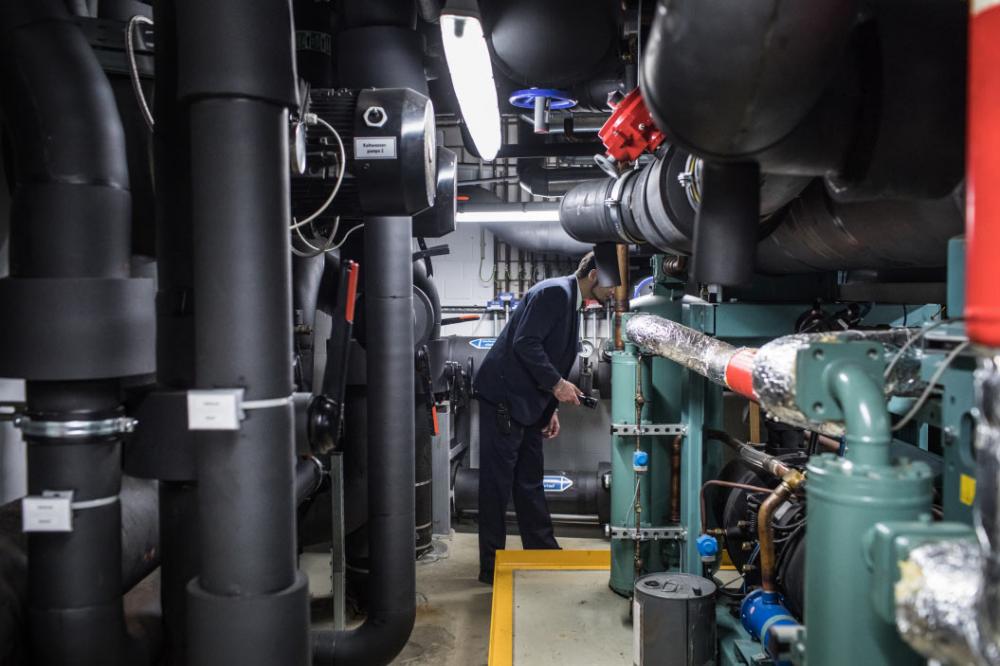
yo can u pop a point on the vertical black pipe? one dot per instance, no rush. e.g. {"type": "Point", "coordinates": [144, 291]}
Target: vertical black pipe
{"type": "Point", "coordinates": [392, 581]}
{"type": "Point", "coordinates": [70, 224]}
{"type": "Point", "coordinates": [249, 604]}
{"type": "Point", "coordinates": [726, 226]}
{"type": "Point", "coordinates": [174, 329]}
{"type": "Point", "coordinates": [240, 210]}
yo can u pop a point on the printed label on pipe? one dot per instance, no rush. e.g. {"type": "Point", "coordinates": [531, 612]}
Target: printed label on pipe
{"type": "Point", "coordinates": [556, 483]}
{"type": "Point", "coordinates": [483, 343]}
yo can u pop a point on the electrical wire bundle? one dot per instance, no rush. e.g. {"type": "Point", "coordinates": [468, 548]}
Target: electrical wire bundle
{"type": "Point", "coordinates": [328, 244]}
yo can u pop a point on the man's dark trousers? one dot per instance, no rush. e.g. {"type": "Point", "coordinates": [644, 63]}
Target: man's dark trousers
{"type": "Point", "coordinates": [510, 463]}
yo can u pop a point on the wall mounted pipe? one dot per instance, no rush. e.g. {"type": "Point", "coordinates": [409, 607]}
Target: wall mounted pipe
{"type": "Point", "coordinates": [543, 237]}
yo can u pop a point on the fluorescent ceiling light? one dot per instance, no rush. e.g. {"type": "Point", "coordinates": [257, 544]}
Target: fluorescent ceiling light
{"type": "Point", "coordinates": [472, 77]}
{"type": "Point", "coordinates": [508, 216]}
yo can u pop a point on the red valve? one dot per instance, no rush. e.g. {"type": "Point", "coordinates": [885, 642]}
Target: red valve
{"type": "Point", "coordinates": [630, 130]}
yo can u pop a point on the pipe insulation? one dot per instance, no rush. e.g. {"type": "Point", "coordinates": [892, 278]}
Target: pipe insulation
{"type": "Point", "coordinates": [249, 603]}
{"type": "Point", "coordinates": [766, 374]}
{"type": "Point", "coordinates": [543, 237]}
{"type": "Point", "coordinates": [390, 433]}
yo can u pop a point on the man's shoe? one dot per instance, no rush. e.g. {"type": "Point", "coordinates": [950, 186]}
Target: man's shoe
{"type": "Point", "coordinates": [486, 577]}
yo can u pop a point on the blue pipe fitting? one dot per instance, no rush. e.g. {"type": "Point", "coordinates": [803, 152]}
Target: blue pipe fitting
{"type": "Point", "coordinates": [760, 612]}
{"type": "Point", "coordinates": [708, 547]}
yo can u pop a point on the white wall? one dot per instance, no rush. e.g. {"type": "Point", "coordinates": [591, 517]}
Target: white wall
{"type": "Point", "coordinates": [458, 276]}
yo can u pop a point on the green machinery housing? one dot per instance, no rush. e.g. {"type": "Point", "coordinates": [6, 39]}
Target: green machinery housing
{"type": "Point", "coordinates": [916, 482]}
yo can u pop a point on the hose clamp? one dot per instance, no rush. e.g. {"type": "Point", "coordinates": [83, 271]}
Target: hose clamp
{"type": "Point", "coordinates": [614, 205]}
{"type": "Point", "coordinates": [120, 425]}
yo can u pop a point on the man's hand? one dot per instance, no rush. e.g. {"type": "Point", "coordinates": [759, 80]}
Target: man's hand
{"type": "Point", "coordinates": [565, 391]}
{"type": "Point", "coordinates": [552, 430]}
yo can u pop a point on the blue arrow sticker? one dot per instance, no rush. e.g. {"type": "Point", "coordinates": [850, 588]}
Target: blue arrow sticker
{"type": "Point", "coordinates": [483, 343]}
{"type": "Point", "coordinates": [556, 484]}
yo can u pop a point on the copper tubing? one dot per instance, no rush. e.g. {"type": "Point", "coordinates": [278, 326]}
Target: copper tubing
{"type": "Point", "coordinates": [765, 532]}
{"type": "Point", "coordinates": [675, 480]}
{"type": "Point", "coordinates": [621, 294]}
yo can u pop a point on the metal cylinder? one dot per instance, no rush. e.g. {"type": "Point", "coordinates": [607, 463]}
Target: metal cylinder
{"type": "Point", "coordinates": [982, 309]}
{"type": "Point", "coordinates": [845, 501]}
{"type": "Point", "coordinates": [673, 620]}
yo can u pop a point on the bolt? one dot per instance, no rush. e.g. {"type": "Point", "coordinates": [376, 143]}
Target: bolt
{"type": "Point", "coordinates": [642, 126]}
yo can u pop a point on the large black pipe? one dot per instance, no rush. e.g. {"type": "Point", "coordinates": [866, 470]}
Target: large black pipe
{"type": "Point", "coordinates": [71, 228]}
{"type": "Point", "coordinates": [139, 557]}
{"type": "Point", "coordinates": [737, 101]}
{"type": "Point", "coordinates": [569, 493]}
{"type": "Point", "coordinates": [249, 604]}
{"type": "Point", "coordinates": [813, 233]}
{"type": "Point", "coordinates": [174, 335]}
{"type": "Point", "coordinates": [392, 578]}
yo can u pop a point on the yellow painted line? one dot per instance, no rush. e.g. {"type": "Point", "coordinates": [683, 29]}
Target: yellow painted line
{"type": "Point", "coordinates": [509, 561]}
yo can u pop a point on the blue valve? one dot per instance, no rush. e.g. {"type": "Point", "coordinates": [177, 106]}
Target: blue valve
{"type": "Point", "coordinates": [640, 461]}
{"type": "Point", "coordinates": [708, 547]}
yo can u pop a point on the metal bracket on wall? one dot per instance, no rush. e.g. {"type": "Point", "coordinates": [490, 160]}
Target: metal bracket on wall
{"type": "Point", "coordinates": [646, 533]}
{"type": "Point", "coordinates": [648, 429]}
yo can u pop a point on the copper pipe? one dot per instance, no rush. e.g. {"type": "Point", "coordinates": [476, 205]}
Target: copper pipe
{"type": "Point", "coordinates": [765, 531]}
{"type": "Point", "coordinates": [675, 480]}
{"type": "Point", "coordinates": [621, 294]}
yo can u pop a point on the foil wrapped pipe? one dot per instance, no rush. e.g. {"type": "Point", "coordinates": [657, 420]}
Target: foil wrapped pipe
{"type": "Point", "coordinates": [988, 508]}
{"type": "Point", "coordinates": [767, 374]}
{"type": "Point", "coordinates": [935, 601]}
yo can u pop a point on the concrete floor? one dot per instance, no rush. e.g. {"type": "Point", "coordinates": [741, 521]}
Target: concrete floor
{"type": "Point", "coordinates": [453, 610]}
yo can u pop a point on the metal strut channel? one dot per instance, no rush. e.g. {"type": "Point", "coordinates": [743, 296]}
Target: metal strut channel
{"type": "Point", "coordinates": [646, 533]}
{"type": "Point", "coordinates": [648, 429]}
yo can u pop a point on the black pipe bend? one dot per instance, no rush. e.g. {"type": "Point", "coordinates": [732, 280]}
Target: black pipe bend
{"type": "Point", "coordinates": [729, 79]}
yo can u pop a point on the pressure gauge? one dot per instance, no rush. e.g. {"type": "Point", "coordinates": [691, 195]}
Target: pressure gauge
{"type": "Point", "coordinates": [586, 349]}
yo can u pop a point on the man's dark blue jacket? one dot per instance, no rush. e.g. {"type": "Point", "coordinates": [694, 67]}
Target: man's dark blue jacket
{"type": "Point", "coordinates": [536, 349]}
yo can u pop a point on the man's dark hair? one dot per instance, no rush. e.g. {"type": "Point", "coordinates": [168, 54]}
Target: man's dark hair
{"type": "Point", "coordinates": [587, 264]}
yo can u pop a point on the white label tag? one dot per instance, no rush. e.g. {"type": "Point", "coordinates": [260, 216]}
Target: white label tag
{"type": "Point", "coordinates": [51, 512]}
{"type": "Point", "coordinates": [375, 147]}
{"type": "Point", "coordinates": [214, 410]}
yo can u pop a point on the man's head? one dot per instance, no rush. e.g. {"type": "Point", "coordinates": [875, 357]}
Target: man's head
{"type": "Point", "coordinates": [586, 276]}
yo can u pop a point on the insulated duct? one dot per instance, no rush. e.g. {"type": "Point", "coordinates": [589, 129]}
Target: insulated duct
{"type": "Point", "coordinates": [813, 233]}
{"type": "Point", "coordinates": [543, 237]}
{"type": "Point", "coordinates": [767, 374]}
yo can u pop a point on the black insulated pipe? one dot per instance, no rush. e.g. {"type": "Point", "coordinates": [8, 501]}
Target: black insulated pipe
{"type": "Point", "coordinates": [249, 604]}
{"type": "Point", "coordinates": [174, 341]}
{"type": "Point", "coordinates": [392, 578]}
{"type": "Point", "coordinates": [725, 229]}
{"type": "Point", "coordinates": [737, 101]}
{"type": "Point", "coordinates": [70, 242]}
